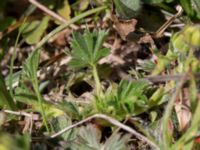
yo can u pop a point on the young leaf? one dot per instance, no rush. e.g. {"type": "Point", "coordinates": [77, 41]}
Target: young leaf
{"type": "Point", "coordinates": [91, 136]}
{"type": "Point", "coordinates": [87, 48]}
{"type": "Point", "coordinates": [129, 90]}
{"type": "Point", "coordinates": [127, 99]}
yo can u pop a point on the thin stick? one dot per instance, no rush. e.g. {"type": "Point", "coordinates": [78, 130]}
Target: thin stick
{"type": "Point", "coordinates": [161, 30]}
{"type": "Point", "coordinates": [51, 13]}
{"type": "Point", "coordinates": [112, 121]}
{"type": "Point", "coordinates": [20, 113]}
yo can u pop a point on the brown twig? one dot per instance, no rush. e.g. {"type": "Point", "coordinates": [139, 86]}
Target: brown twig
{"type": "Point", "coordinates": [110, 120]}
{"type": "Point", "coordinates": [51, 13]}
{"type": "Point", "coordinates": [18, 113]}
{"type": "Point", "coordinates": [161, 30]}
{"type": "Point", "coordinates": [29, 117]}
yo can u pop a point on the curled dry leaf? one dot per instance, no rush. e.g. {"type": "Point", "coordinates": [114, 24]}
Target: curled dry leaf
{"type": "Point", "coordinates": [182, 111]}
{"type": "Point", "coordinates": [123, 27]}
{"type": "Point", "coordinates": [147, 39]}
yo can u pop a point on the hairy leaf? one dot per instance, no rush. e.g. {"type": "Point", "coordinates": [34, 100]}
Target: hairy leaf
{"type": "Point", "coordinates": [87, 48]}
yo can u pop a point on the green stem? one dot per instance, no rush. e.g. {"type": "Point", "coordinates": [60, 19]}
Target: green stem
{"type": "Point", "coordinates": [12, 64]}
{"type": "Point", "coordinates": [39, 97]}
{"type": "Point", "coordinates": [45, 39]}
{"type": "Point", "coordinates": [97, 80]}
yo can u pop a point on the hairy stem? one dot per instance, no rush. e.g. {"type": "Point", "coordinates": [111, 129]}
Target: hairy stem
{"type": "Point", "coordinates": [97, 80]}
{"type": "Point", "coordinates": [39, 97]}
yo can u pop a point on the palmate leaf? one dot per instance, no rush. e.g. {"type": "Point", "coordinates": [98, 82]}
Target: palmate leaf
{"type": "Point", "coordinates": [130, 95]}
{"type": "Point", "coordinates": [127, 90]}
{"type": "Point", "coordinates": [87, 48]}
{"type": "Point", "coordinates": [117, 142]}
{"type": "Point", "coordinates": [128, 99]}
{"type": "Point", "coordinates": [89, 138]}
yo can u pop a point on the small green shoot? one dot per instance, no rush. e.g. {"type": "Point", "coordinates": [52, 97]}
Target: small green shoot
{"type": "Point", "coordinates": [87, 51]}
{"type": "Point", "coordinates": [128, 99]}
{"type": "Point", "coordinates": [30, 69]}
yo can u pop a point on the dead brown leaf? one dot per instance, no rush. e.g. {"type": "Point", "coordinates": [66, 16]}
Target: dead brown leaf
{"type": "Point", "coordinates": [124, 27]}
{"type": "Point", "coordinates": [182, 110]}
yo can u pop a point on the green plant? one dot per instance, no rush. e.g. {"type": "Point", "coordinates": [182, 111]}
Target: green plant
{"type": "Point", "coordinates": [183, 47]}
{"type": "Point", "coordinates": [89, 138]}
{"type": "Point", "coordinates": [129, 99]}
{"type": "Point", "coordinates": [30, 71]}
{"type": "Point", "coordinates": [31, 65]}
{"type": "Point", "coordinates": [182, 51]}
{"type": "Point", "coordinates": [87, 51]}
